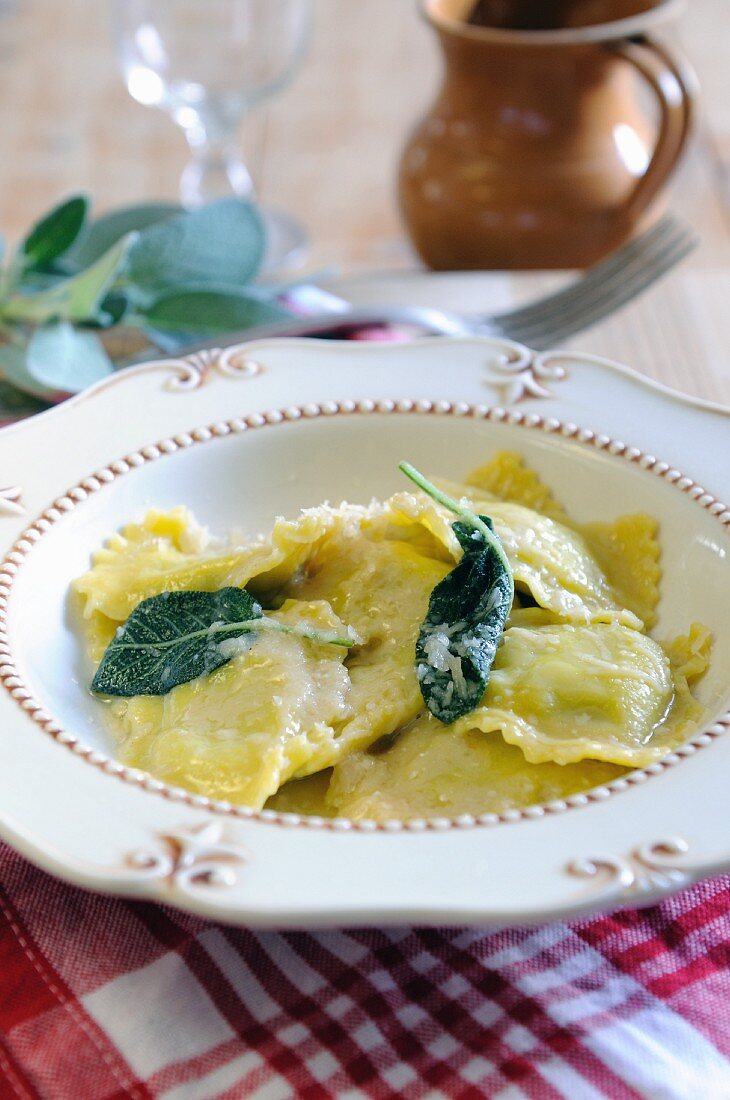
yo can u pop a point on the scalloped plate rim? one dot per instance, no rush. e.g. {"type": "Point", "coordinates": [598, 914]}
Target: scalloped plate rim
{"type": "Point", "coordinates": [360, 347]}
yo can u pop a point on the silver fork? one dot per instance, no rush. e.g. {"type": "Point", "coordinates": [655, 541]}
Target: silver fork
{"type": "Point", "coordinates": [544, 323]}
{"type": "Point", "coordinates": [604, 288]}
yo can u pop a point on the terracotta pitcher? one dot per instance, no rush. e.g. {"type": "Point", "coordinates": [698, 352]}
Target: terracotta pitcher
{"type": "Point", "coordinates": [536, 153]}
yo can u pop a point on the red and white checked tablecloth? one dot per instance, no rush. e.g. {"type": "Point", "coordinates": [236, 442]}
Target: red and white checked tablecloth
{"type": "Point", "coordinates": [102, 999]}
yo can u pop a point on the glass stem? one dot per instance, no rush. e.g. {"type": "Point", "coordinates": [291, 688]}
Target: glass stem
{"type": "Point", "coordinates": [216, 170]}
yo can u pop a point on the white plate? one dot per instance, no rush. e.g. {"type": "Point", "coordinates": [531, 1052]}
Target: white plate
{"type": "Point", "coordinates": [471, 293]}
{"type": "Point", "coordinates": [269, 428]}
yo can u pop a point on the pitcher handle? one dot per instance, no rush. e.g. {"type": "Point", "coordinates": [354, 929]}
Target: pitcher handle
{"type": "Point", "coordinates": [676, 87]}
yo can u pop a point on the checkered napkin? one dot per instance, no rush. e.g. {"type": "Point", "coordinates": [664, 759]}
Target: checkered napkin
{"type": "Point", "coordinates": [102, 999]}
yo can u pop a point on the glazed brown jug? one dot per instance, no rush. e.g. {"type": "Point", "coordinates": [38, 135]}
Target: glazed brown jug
{"type": "Point", "coordinates": [537, 152]}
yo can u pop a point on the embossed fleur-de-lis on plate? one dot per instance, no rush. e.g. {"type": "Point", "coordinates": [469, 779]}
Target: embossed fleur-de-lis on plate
{"type": "Point", "coordinates": [189, 858]}
{"type": "Point", "coordinates": [659, 866]}
{"type": "Point", "coordinates": [10, 501]}
{"type": "Point", "coordinates": [193, 371]}
{"type": "Point", "coordinates": [517, 373]}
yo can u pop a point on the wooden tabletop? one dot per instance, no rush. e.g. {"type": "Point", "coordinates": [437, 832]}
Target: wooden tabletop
{"type": "Point", "coordinates": [326, 150]}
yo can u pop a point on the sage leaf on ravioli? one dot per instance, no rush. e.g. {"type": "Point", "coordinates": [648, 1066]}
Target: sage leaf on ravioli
{"type": "Point", "coordinates": [269, 713]}
{"type": "Point", "coordinates": [173, 638]}
{"type": "Point", "coordinates": [466, 615]}
{"type": "Point", "coordinates": [381, 589]}
{"type": "Point", "coordinates": [548, 559]}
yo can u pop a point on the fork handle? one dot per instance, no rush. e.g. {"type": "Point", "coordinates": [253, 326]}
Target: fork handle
{"type": "Point", "coordinates": [434, 322]}
{"type": "Point", "coordinates": [675, 86]}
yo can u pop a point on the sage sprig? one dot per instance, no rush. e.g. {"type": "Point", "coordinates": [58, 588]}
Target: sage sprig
{"type": "Point", "coordinates": [174, 275]}
{"type": "Point", "coordinates": [175, 637]}
{"type": "Point", "coordinates": [466, 616]}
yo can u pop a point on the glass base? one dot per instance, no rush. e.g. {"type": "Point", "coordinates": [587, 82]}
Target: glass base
{"type": "Point", "coordinates": [207, 177]}
{"type": "Point", "coordinates": [287, 243]}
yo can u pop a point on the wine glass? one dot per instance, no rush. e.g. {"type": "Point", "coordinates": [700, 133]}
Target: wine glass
{"type": "Point", "coordinates": [207, 63]}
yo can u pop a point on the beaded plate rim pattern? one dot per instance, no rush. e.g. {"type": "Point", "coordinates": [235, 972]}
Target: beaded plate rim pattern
{"type": "Point", "coordinates": [14, 684]}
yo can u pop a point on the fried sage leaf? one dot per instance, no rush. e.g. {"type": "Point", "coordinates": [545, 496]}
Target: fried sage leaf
{"type": "Point", "coordinates": [177, 636]}
{"type": "Point", "coordinates": [467, 612]}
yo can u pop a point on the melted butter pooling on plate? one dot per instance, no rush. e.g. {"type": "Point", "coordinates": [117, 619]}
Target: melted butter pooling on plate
{"type": "Point", "coordinates": [578, 691]}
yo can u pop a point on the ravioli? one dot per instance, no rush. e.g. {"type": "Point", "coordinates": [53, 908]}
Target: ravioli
{"type": "Point", "coordinates": [505, 477]}
{"type": "Point", "coordinates": [551, 562]}
{"type": "Point", "coordinates": [380, 588]}
{"type": "Point", "coordinates": [578, 691]}
{"type": "Point", "coordinates": [241, 732]}
{"type": "Point", "coordinates": [628, 552]}
{"type": "Point", "coordinates": [433, 770]}
{"type": "Point", "coordinates": [626, 549]}
{"type": "Point", "coordinates": [162, 553]}
{"type": "Point", "coordinates": [167, 553]}
{"type": "Point", "coordinates": [566, 693]}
